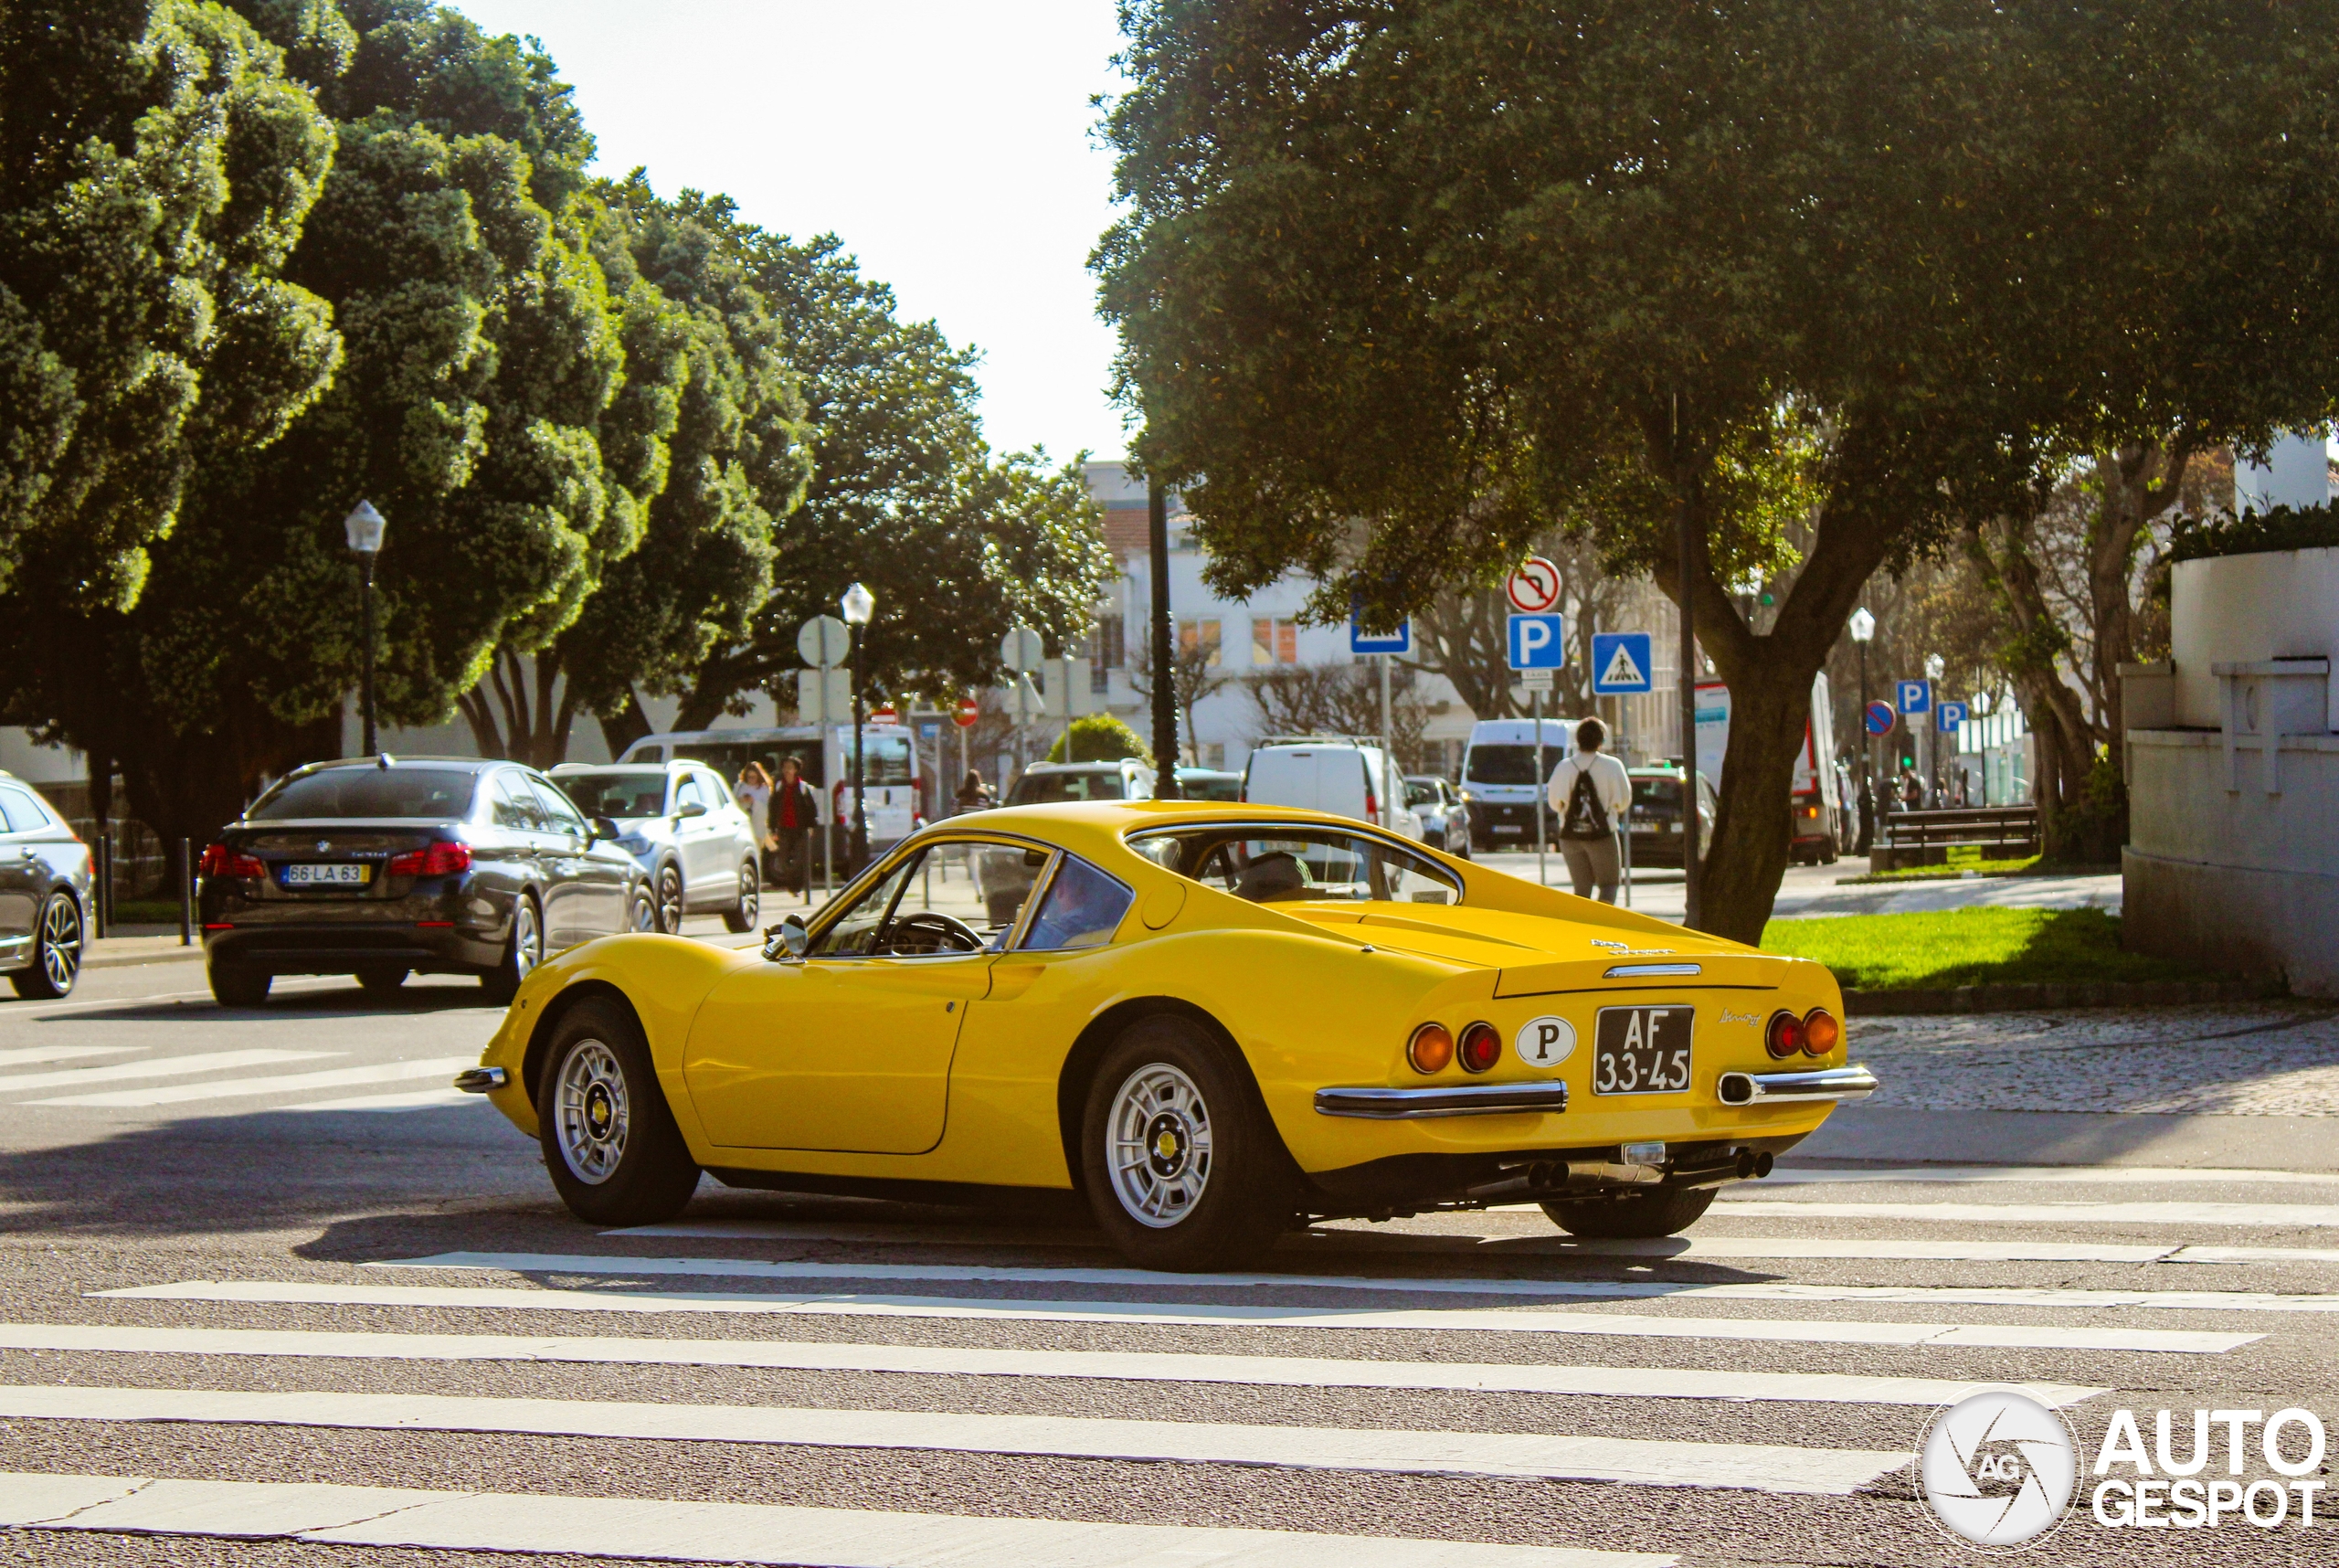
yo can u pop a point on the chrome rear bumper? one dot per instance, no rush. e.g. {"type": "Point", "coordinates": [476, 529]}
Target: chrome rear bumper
{"type": "Point", "coordinates": [1445, 1099]}
{"type": "Point", "coordinates": [480, 1080]}
{"type": "Point", "coordinates": [1819, 1084]}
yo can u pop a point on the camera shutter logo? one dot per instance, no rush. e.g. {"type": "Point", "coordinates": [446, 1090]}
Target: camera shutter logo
{"type": "Point", "coordinates": [1998, 1467]}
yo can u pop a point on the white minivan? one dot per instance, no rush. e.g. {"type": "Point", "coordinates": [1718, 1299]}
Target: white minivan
{"type": "Point", "coordinates": [1338, 774]}
{"type": "Point", "coordinates": [1500, 782]}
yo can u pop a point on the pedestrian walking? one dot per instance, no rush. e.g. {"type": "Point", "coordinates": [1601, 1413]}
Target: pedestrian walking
{"type": "Point", "coordinates": [795, 812]}
{"type": "Point", "coordinates": [974, 795]}
{"type": "Point", "coordinates": [753, 791]}
{"type": "Point", "coordinates": [1590, 795]}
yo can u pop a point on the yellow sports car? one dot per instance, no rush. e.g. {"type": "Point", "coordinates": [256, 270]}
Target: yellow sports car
{"type": "Point", "coordinates": [1210, 1020]}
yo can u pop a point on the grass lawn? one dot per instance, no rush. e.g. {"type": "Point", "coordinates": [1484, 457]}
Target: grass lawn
{"type": "Point", "coordinates": [1970, 947]}
{"type": "Point", "coordinates": [2029, 864]}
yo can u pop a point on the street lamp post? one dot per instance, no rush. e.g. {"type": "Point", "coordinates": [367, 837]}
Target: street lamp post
{"type": "Point", "coordinates": [1863, 628]}
{"type": "Point", "coordinates": [858, 604]}
{"type": "Point", "coordinates": [365, 527]}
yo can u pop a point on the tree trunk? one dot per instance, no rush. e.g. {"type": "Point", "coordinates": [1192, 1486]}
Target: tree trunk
{"type": "Point", "coordinates": [621, 729]}
{"type": "Point", "coordinates": [2140, 483]}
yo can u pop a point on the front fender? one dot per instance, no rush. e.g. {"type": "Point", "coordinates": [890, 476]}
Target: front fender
{"type": "Point", "coordinates": [663, 979]}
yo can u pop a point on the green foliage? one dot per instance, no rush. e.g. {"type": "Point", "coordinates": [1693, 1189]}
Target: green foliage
{"type": "Point", "coordinates": [1098, 737]}
{"type": "Point", "coordinates": [1970, 947]}
{"type": "Point", "coordinates": [2279, 528]}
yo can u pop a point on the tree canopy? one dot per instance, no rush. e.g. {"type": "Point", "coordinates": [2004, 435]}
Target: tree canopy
{"type": "Point", "coordinates": [1401, 284]}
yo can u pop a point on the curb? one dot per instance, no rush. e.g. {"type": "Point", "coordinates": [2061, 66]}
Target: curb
{"type": "Point", "coordinates": [2081, 993]}
{"type": "Point", "coordinates": [173, 955]}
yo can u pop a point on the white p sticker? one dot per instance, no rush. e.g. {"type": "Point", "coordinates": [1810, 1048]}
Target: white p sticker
{"type": "Point", "coordinates": [1545, 1043]}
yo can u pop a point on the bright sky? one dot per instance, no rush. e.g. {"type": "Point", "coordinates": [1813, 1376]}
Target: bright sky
{"type": "Point", "coordinates": [947, 142]}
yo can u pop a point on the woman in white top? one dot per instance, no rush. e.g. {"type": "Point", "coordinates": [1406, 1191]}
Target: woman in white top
{"type": "Point", "coordinates": [1591, 795]}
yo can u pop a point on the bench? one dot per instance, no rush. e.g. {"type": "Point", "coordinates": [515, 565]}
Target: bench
{"type": "Point", "coordinates": [1925, 838]}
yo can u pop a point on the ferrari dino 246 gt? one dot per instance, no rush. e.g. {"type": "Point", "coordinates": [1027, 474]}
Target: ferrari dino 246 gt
{"type": "Point", "coordinates": [1211, 1021]}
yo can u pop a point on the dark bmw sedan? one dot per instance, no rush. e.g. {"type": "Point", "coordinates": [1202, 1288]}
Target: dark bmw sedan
{"type": "Point", "coordinates": [45, 892]}
{"type": "Point", "coordinates": [383, 867]}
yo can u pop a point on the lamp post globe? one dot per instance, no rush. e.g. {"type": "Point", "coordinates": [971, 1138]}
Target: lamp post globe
{"type": "Point", "coordinates": [858, 604]}
{"type": "Point", "coordinates": [364, 529]}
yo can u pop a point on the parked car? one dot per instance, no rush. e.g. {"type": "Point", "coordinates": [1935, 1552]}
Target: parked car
{"type": "Point", "coordinates": [1207, 1021]}
{"type": "Point", "coordinates": [1209, 784]}
{"type": "Point", "coordinates": [45, 888]}
{"type": "Point", "coordinates": [383, 867]}
{"type": "Point", "coordinates": [683, 827]}
{"type": "Point", "coordinates": [1501, 783]}
{"type": "Point", "coordinates": [1005, 880]}
{"type": "Point", "coordinates": [1446, 816]}
{"type": "Point", "coordinates": [892, 778]}
{"type": "Point", "coordinates": [1338, 774]}
{"type": "Point", "coordinates": [1656, 815]}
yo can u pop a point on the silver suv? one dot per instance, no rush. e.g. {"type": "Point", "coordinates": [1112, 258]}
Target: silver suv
{"type": "Point", "coordinates": [679, 821]}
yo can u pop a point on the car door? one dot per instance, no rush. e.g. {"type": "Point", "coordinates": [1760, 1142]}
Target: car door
{"type": "Point", "coordinates": [849, 1048]}
{"type": "Point", "coordinates": [593, 886]}
{"type": "Point", "coordinates": [522, 850]}
{"type": "Point", "coordinates": [695, 836]}
{"type": "Point", "coordinates": [23, 873]}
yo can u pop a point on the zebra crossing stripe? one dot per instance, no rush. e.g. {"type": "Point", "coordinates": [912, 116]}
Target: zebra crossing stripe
{"type": "Point", "coordinates": [154, 1067]}
{"type": "Point", "coordinates": [2083, 1175]}
{"type": "Point", "coordinates": [1336, 1238]}
{"type": "Point", "coordinates": [715, 1532]}
{"type": "Point", "coordinates": [1746, 1467]}
{"type": "Point", "coordinates": [278, 1084]}
{"type": "Point", "coordinates": [1289, 1371]}
{"type": "Point", "coordinates": [1586, 1290]}
{"type": "Point", "coordinates": [2010, 1336]}
{"type": "Point", "coordinates": [25, 1055]}
{"type": "Point", "coordinates": [2286, 1215]}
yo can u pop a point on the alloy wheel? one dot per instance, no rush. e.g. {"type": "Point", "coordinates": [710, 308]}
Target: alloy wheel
{"type": "Point", "coordinates": [669, 901]}
{"type": "Point", "coordinates": [750, 894]}
{"type": "Point", "coordinates": [60, 943]}
{"type": "Point", "coordinates": [1161, 1150]}
{"type": "Point", "coordinates": [527, 939]}
{"type": "Point", "coordinates": [590, 1114]}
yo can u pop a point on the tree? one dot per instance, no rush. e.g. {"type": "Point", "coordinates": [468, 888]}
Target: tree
{"type": "Point", "coordinates": [1194, 673]}
{"type": "Point", "coordinates": [1465, 633]}
{"type": "Point", "coordinates": [1098, 737]}
{"type": "Point", "coordinates": [1344, 699]}
{"type": "Point", "coordinates": [1455, 268]}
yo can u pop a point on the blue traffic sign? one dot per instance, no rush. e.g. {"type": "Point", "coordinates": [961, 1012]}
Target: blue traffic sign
{"type": "Point", "coordinates": [1916, 696]}
{"type": "Point", "coordinates": [1880, 717]}
{"type": "Point", "coordinates": [1539, 642]}
{"type": "Point", "coordinates": [1401, 641]}
{"type": "Point", "coordinates": [1948, 716]}
{"type": "Point", "coordinates": [1621, 664]}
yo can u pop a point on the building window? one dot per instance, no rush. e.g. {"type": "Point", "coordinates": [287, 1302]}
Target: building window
{"type": "Point", "coordinates": [1108, 650]}
{"type": "Point", "coordinates": [1201, 635]}
{"type": "Point", "coordinates": [1273, 640]}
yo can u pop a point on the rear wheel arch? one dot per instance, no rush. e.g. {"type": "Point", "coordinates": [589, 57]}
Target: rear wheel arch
{"type": "Point", "coordinates": [1080, 1066]}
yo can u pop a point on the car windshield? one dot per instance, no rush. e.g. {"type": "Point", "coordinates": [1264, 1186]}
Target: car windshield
{"type": "Point", "coordinates": [1507, 764]}
{"type": "Point", "coordinates": [429, 793]}
{"type": "Point", "coordinates": [1039, 789]}
{"type": "Point", "coordinates": [1419, 794]}
{"type": "Point", "coordinates": [627, 793]}
{"type": "Point", "coordinates": [1312, 864]}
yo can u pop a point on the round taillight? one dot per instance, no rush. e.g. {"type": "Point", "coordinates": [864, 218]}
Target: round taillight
{"type": "Point", "coordinates": [1429, 1049]}
{"type": "Point", "coordinates": [1821, 1032]}
{"type": "Point", "coordinates": [1481, 1047]}
{"type": "Point", "coordinates": [1785, 1036]}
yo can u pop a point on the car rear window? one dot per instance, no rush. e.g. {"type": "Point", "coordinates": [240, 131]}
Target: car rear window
{"type": "Point", "coordinates": [630, 793]}
{"type": "Point", "coordinates": [425, 793]}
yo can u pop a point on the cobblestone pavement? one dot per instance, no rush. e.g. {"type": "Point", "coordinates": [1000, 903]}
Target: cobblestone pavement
{"type": "Point", "coordinates": [2253, 1059]}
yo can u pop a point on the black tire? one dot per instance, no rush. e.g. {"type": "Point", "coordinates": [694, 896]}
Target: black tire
{"type": "Point", "coordinates": [232, 985]}
{"type": "Point", "coordinates": [642, 914]}
{"type": "Point", "coordinates": [56, 951]}
{"type": "Point", "coordinates": [523, 953]}
{"type": "Point", "coordinates": [609, 1139]}
{"type": "Point", "coordinates": [382, 980]}
{"type": "Point", "coordinates": [1635, 1215]}
{"type": "Point", "coordinates": [1227, 1206]}
{"type": "Point", "coordinates": [743, 915]}
{"type": "Point", "coordinates": [668, 896]}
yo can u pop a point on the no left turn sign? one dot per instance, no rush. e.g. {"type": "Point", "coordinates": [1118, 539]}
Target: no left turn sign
{"type": "Point", "coordinates": [1534, 588]}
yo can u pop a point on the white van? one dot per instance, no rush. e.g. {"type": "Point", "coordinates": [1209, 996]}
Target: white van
{"type": "Point", "coordinates": [1500, 779]}
{"type": "Point", "coordinates": [1345, 776]}
{"type": "Point", "coordinates": [890, 782]}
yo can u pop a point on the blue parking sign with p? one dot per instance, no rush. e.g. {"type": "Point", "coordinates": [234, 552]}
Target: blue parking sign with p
{"type": "Point", "coordinates": [1916, 696]}
{"type": "Point", "coordinates": [1539, 642]}
{"type": "Point", "coordinates": [1948, 716]}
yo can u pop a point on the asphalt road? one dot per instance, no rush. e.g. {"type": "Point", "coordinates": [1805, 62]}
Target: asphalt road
{"type": "Point", "coordinates": [839, 1382]}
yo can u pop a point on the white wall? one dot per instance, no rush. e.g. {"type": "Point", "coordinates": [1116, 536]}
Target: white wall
{"type": "Point", "coordinates": [2240, 608]}
{"type": "Point", "coordinates": [2296, 472]}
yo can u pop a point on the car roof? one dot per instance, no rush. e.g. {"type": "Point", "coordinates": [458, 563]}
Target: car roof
{"type": "Point", "coordinates": [570, 770]}
{"type": "Point", "coordinates": [388, 764]}
{"type": "Point", "coordinates": [1084, 766]}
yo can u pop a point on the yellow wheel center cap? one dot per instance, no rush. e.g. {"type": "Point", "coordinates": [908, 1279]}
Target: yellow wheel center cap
{"type": "Point", "coordinates": [1166, 1144]}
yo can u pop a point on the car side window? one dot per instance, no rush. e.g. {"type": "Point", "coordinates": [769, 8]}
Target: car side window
{"type": "Point", "coordinates": [19, 812]}
{"type": "Point", "coordinates": [559, 812]}
{"type": "Point", "coordinates": [515, 805]}
{"type": "Point", "coordinates": [716, 793]}
{"type": "Point", "coordinates": [687, 792]}
{"type": "Point", "coordinates": [1083, 908]}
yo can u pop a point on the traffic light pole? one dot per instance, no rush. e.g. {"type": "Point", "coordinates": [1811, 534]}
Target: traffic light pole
{"type": "Point", "coordinates": [1165, 696]}
{"type": "Point", "coordinates": [1692, 873]}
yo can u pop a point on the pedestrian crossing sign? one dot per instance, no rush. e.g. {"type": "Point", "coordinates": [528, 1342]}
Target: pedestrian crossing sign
{"type": "Point", "coordinates": [1621, 662]}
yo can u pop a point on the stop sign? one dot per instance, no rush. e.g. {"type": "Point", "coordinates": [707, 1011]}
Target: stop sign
{"type": "Point", "coordinates": [968, 711]}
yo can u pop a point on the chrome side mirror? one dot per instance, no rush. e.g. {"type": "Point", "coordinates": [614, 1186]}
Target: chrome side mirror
{"type": "Point", "coordinates": [788, 939]}
{"type": "Point", "coordinates": [689, 809]}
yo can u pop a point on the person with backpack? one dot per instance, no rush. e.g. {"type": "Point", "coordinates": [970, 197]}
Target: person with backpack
{"type": "Point", "coordinates": [1591, 795]}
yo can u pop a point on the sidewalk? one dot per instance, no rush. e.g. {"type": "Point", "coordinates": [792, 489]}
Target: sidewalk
{"type": "Point", "coordinates": [133, 945]}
